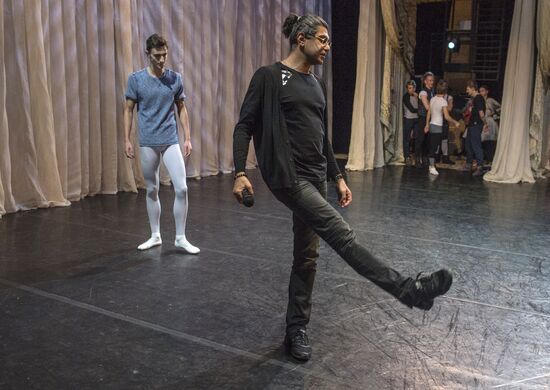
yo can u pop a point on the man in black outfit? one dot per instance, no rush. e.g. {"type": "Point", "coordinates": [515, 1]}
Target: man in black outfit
{"type": "Point", "coordinates": [424, 97]}
{"type": "Point", "coordinates": [285, 112]}
{"type": "Point", "coordinates": [410, 117]}
{"type": "Point", "coordinates": [474, 150]}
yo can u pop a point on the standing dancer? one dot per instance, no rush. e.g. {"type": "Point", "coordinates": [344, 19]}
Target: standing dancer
{"type": "Point", "coordinates": [424, 97]}
{"type": "Point", "coordinates": [285, 112]}
{"type": "Point", "coordinates": [156, 90]}
{"type": "Point", "coordinates": [437, 114]}
{"type": "Point", "coordinates": [410, 118]}
{"type": "Point", "coordinates": [474, 150]}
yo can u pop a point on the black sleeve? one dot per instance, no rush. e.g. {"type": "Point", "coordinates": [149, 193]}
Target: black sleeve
{"type": "Point", "coordinates": [479, 104]}
{"type": "Point", "coordinates": [250, 120]}
{"type": "Point", "coordinates": [332, 166]}
{"type": "Point", "coordinates": [407, 103]}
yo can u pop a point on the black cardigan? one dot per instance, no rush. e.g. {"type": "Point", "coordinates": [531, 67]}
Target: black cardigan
{"type": "Point", "coordinates": [262, 119]}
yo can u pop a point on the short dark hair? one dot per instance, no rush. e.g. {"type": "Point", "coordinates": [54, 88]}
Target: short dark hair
{"type": "Point", "coordinates": [155, 41]}
{"type": "Point", "coordinates": [472, 84]}
{"type": "Point", "coordinates": [485, 87]}
{"type": "Point", "coordinates": [441, 88]}
{"type": "Point", "coordinates": [307, 24]}
{"type": "Point", "coordinates": [410, 82]}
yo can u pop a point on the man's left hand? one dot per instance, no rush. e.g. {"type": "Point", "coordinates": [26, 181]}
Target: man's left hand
{"type": "Point", "coordinates": [344, 193]}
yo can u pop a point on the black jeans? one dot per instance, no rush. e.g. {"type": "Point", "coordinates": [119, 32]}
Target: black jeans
{"type": "Point", "coordinates": [421, 139]}
{"type": "Point", "coordinates": [409, 126]}
{"type": "Point", "coordinates": [314, 217]}
{"type": "Point", "coordinates": [473, 145]}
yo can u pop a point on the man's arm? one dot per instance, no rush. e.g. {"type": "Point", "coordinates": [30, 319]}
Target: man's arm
{"type": "Point", "coordinates": [249, 121]}
{"type": "Point", "coordinates": [184, 120]}
{"type": "Point", "coordinates": [128, 120]}
{"type": "Point", "coordinates": [428, 117]}
{"type": "Point", "coordinates": [448, 117]}
{"type": "Point", "coordinates": [407, 103]}
{"type": "Point", "coordinates": [425, 102]}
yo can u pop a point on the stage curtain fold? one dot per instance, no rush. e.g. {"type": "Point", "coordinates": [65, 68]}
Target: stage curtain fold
{"type": "Point", "coordinates": [64, 65]}
{"type": "Point", "coordinates": [512, 163]}
{"type": "Point", "coordinates": [366, 147]}
{"type": "Point", "coordinates": [543, 46]}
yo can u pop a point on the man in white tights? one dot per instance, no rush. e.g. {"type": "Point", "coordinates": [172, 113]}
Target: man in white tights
{"type": "Point", "coordinates": [156, 90]}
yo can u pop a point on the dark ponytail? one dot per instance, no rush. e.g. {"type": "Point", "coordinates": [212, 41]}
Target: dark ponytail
{"type": "Point", "coordinates": [308, 25]}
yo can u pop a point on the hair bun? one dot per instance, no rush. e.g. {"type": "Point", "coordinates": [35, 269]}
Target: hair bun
{"type": "Point", "coordinates": [289, 24]}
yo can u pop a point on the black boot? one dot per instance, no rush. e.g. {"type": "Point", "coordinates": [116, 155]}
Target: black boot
{"type": "Point", "coordinates": [297, 345]}
{"type": "Point", "coordinates": [424, 289]}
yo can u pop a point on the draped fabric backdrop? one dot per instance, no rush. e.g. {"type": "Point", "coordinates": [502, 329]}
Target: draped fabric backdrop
{"type": "Point", "coordinates": [543, 69]}
{"type": "Point", "coordinates": [384, 59]}
{"type": "Point", "coordinates": [366, 149]}
{"type": "Point", "coordinates": [395, 74]}
{"type": "Point", "coordinates": [512, 163]}
{"type": "Point", "coordinates": [63, 71]}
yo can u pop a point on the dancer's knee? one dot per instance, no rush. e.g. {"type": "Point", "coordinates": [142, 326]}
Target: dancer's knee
{"type": "Point", "coordinates": [153, 192]}
{"type": "Point", "coordinates": [181, 192]}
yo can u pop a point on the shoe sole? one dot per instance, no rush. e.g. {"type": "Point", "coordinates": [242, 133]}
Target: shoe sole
{"type": "Point", "coordinates": [446, 281]}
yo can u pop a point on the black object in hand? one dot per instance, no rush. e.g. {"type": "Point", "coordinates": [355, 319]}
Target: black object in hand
{"type": "Point", "coordinates": [248, 198]}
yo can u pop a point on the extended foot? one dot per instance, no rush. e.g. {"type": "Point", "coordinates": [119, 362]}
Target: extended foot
{"type": "Point", "coordinates": [153, 241]}
{"type": "Point", "coordinates": [181, 242]}
{"type": "Point", "coordinates": [433, 171]}
{"type": "Point", "coordinates": [297, 345]}
{"type": "Point", "coordinates": [427, 287]}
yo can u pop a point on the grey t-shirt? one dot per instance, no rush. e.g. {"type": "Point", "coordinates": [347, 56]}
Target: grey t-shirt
{"type": "Point", "coordinates": [155, 98]}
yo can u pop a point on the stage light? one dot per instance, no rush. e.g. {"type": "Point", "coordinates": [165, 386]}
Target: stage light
{"type": "Point", "coordinates": [453, 44]}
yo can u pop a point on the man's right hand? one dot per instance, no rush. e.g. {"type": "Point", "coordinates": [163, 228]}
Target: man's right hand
{"type": "Point", "coordinates": [240, 184]}
{"type": "Point", "coordinates": [129, 149]}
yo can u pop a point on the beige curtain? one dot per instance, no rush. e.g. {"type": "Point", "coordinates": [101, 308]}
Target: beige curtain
{"type": "Point", "coordinates": [392, 86]}
{"type": "Point", "coordinates": [511, 163]}
{"type": "Point", "coordinates": [63, 71]}
{"type": "Point", "coordinates": [543, 67]}
{"type": "Point", "coordinates": [366, 147]}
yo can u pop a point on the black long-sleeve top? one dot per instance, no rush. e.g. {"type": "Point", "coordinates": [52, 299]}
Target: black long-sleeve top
{"type": "Point", "coordinates": [407, 103]}
{"type": "Point", "coordinates": [262, 120]}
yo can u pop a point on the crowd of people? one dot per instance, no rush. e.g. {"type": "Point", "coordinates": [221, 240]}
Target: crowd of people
{"type": "Point", "coordinates": [426, 118]}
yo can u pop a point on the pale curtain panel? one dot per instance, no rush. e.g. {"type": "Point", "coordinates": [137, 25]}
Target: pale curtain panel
{"type": "Point", "coordinates": [543, 63]}
{"type": "Point", "coordinates": [543, 38]}
{"type": "Point", "coordinates": [366, 147]}
{"type": "Point", "coordinates": [64, 65]}
{"type": "Point", "coordinates": [393, 86]}
{"type": "Point", "coordinates": [511, 163]}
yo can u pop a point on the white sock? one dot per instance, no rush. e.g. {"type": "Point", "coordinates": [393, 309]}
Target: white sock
{"type": "Point", "coordinates": [153, 241]}
{"type": "Point", "coordinates": [181, 242]}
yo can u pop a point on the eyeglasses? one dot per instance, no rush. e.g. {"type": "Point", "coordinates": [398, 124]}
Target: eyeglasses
{"type": "Point", "coordinates": [323, 40]}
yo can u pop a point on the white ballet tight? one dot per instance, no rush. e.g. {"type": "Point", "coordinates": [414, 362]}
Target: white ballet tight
{"type": "Point", "coordinates": [150, 163]}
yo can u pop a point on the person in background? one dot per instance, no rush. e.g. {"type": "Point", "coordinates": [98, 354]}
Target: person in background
{"type": "Point", "coordinates": [437, 113]}
{"type": "Point", "coordinates": [423, 107]}
{"type": "Point", "coordinates": [490, 130]}
{"type": "Point", "coordinates": [474, 150]}
{"type": "Point", "coordinates": [410, 118]}
{"type": "Point", "coordinates": [445, 134]}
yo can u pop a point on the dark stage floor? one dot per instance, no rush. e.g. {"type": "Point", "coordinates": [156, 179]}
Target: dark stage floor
{"type": "Point", "coordinates": [81, 308]}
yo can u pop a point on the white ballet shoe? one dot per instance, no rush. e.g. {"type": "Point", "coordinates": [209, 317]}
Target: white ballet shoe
{"type": "Point", "coordinates": [155, 240]}
{"type": "Point", "coordinates": [181, 242]}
